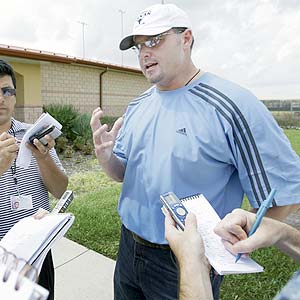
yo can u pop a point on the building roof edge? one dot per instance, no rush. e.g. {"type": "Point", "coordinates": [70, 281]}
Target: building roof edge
{"type": "Point", "coordinates": [40, 55]}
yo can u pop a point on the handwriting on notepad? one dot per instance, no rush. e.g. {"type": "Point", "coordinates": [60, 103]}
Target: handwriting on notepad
{"type": "Point", "coordinates": [212, 242]}
{"type": "Point", "coordinates": [221, 259]}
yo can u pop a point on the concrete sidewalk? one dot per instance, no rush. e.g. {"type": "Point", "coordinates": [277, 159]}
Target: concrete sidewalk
{"type": "Point", "coordinates": [81, 273]}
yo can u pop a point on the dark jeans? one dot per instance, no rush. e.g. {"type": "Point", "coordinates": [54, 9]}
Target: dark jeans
{"type": "Point", "coordinates": [46, 278]}
{"type": "Point", "coordinates": [146, 273]}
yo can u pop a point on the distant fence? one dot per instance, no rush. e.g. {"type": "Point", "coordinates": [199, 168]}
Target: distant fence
{"type": "Point", "coordinates": [282, 105]}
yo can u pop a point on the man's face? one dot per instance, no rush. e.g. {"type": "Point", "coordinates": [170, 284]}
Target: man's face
{"type": "Point", "coordinates": [7, 104]}
{"type": "Point", "coordinates": [161, 64]}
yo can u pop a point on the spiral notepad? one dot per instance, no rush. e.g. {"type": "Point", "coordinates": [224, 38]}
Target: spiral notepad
{"type": "Point", "coordinates": [220, 258]}
{"type": "Point", "coordinates": [31, 239]}
{"type": "Point", "coordinates": [18, 285]}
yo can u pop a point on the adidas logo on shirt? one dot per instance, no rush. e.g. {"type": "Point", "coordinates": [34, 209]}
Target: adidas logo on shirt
{"type": "Point", "coordinates": [182, 131]}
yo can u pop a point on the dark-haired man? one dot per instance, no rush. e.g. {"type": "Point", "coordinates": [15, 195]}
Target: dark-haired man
{"type": "Point", "coordinates": [24, 191]}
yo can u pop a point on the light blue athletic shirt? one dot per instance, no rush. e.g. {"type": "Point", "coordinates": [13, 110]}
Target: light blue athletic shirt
{"type": "Point", "coordinates": [211, 137]}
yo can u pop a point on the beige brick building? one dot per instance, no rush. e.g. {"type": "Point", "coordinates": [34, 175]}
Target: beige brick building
{"type": "Point", "coordinates": [45, 78]}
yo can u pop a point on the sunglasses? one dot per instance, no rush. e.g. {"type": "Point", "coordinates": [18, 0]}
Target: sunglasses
{"type": "Point", "coordinates": [153, 41]}
{"type": "Point", "coordinates": [8, 92]}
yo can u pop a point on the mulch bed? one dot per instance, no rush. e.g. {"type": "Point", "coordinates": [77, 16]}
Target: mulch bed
{"type": "Point", "coordinates": [78, 163]}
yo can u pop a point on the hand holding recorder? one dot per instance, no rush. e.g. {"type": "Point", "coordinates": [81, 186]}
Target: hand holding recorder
{"type": "Point", "coordinates": [42, 141]}
{"type": "Point", "coordinates": [176, 209]}
{"type": "Point", "coordinates": [50, 130]}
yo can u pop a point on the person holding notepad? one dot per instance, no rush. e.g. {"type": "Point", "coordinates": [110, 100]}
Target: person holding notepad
{"type": "Point", "coordinates": [233, 229]}
{"type": "Point", "coordinates": [24, 191]}
{"type": "Point", "coordinates": [191, 132]}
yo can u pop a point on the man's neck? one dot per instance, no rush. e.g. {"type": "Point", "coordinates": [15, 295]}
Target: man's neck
{"type": "Point", "coordinates": [186, 75]}
{"type": "Point", "coordinates": [5, 127]}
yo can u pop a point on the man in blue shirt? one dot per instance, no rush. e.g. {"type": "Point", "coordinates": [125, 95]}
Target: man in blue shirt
{"type": "Point", "coordinates": [191, 132]}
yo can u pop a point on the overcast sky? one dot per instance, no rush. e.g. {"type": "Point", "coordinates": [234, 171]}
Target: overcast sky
{"type": "Point", "coordinates": [253, 42]}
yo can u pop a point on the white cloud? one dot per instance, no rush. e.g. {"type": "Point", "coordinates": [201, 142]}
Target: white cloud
{"type": "Point", "coordinates": [255, 43]}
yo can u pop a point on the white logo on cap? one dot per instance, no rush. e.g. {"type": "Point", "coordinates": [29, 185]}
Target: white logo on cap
{"type": "Point", "coordinates": [142, 16]}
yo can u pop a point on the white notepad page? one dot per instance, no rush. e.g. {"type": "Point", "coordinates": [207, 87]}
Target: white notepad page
{"type": "Point", "coordinates": [31, 239]}
{"type": "Point", "coordinates": [221, 259]}
{"type": "Point", "coordinates": [24, 155]}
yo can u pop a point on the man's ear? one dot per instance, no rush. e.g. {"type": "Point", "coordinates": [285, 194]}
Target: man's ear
{"type": "Point", "coordinates": [187, 37]}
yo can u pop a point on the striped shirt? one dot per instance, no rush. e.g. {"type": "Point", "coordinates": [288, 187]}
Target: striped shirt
{"type": "Point", "coordinates": [29, 182]}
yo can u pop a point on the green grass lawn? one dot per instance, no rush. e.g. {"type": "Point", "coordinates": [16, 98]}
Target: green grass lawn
{"type": "Point", "coordinates": [294, 137]}
{"type": "Point", "coordinates": [97, 226]}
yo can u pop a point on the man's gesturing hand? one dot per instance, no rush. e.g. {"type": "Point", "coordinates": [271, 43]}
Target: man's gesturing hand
{"type": "Point", "coordinates": [104, 140]}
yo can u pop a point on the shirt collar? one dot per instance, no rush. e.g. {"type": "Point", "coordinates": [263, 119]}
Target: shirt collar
{"type": "Point", "coordinates": [17, 126]}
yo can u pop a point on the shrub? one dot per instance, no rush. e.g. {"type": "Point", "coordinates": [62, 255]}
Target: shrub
{"type": "Point", "coordinates": [83, 132]}
{"type": "Point", "coordinates": [61, 144]}
{"type": "Point", "coordinates": [68, 152]}
{"type": "Point", "coordinates": [77, 133]}
{"type": "Point", "coordinates": [83, 145]}
{"type": "Point", "coordinates": [64, 114]}
{"type": "Point", "coordinates": [109, 121]}
{"type": "Point", "coordinates": [81, 127]}
{"type": "Point", "coordinates": [287, 119]}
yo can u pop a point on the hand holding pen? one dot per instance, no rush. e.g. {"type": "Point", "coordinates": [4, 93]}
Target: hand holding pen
{"type": "Point", "coordinates": [259, 216]}
{"type": "Point", "coordinates": [8, 151]}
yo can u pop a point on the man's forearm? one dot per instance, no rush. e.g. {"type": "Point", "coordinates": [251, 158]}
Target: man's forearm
{"type": "Point", "coordinates": [194, 281]}
{"type": "Point", "coordinates": [54, 179]}
{"type": "Point", "coordinates": [281, 212]}
{"type": "Point", "coordinates": [289, 243]}
{"type": "Point", "coordinates": [114, 168]}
